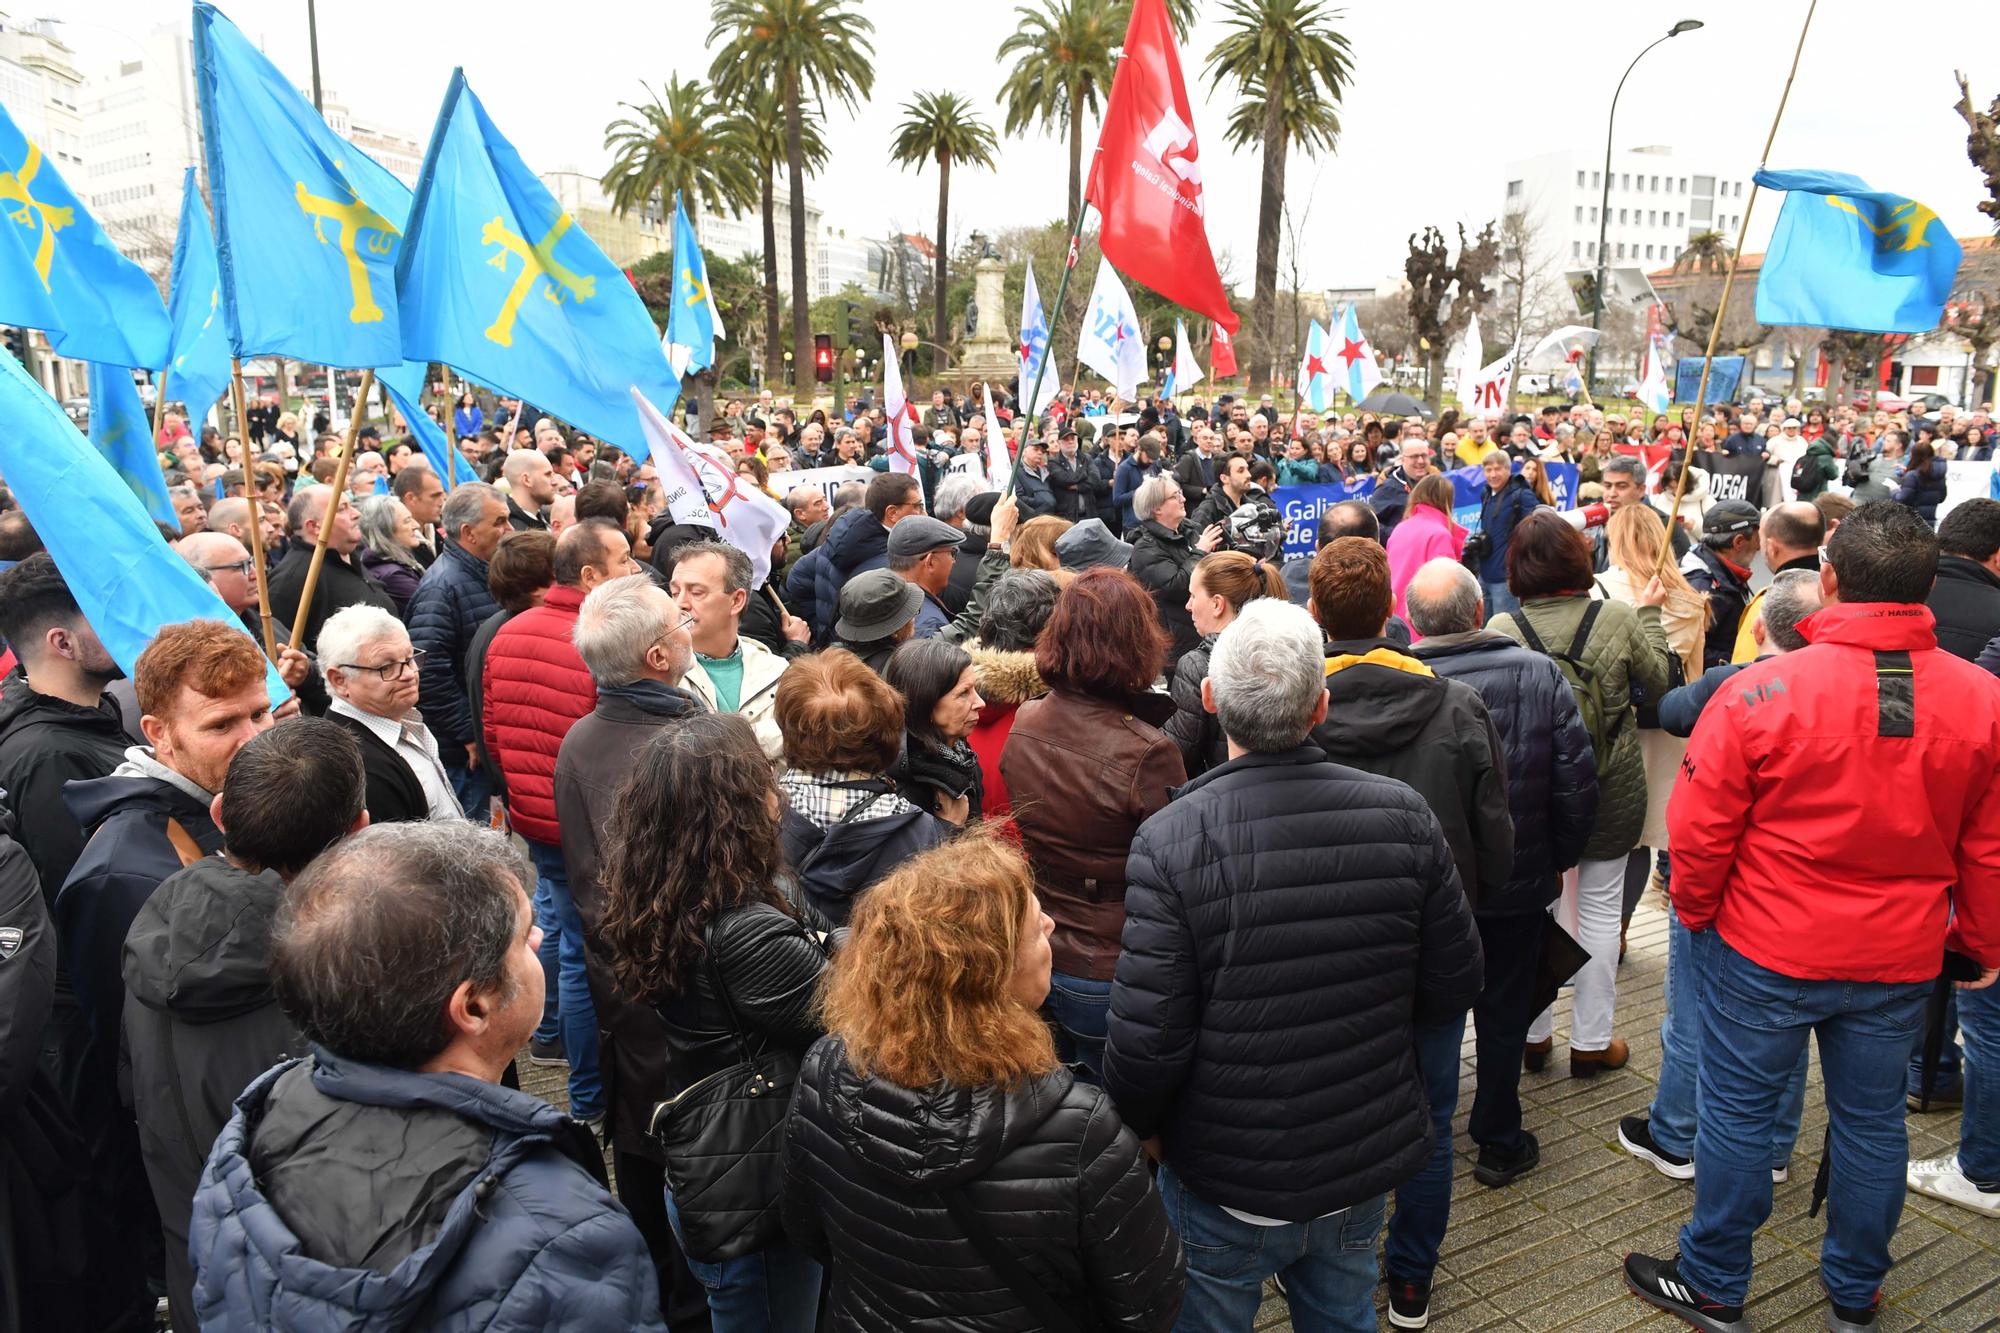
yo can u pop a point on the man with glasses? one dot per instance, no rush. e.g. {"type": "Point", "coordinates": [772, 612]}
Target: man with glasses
{"type": "Point", "coordinates": [372, 670]}
{"type": "Point", "coordinates": [342, 580]}
{"type": "Point", "coordinates": [1392, 492]}
{"type": "Point", "coordinates": [232, 572]}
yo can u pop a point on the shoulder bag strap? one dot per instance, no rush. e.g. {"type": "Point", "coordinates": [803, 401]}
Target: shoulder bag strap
{"type": "Point", "coordinates": [183, 842]}
{"type": "Point", "coordinates": [1533, 639]}
{"type": "Point", "coordinates": [1019, 1280]}
{"type": "Point", "coordinates": [722, 993]}
{"type": "Point", "coordinates": [1583, 627]}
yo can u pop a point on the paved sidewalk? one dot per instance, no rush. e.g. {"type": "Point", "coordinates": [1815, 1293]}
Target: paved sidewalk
{"type": "Point", "coordinates": [1545, 1252]}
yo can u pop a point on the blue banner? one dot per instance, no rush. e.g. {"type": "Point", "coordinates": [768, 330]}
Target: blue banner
{"type": "Point", "coordinates": [1301, 506]}
{"type": "Point", "coordinates": [1722, 380]}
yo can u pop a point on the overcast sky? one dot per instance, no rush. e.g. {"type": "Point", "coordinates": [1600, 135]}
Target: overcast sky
{"type": "Point", "coordinates": [1445, 93]}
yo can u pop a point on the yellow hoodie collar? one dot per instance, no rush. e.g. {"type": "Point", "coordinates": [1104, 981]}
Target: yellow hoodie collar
{"type": "Point", "coordinates": [1382, 657]}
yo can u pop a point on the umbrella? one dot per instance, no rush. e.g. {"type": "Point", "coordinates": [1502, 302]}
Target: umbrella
{"type": "Point", "coordinates": [1388, 402]}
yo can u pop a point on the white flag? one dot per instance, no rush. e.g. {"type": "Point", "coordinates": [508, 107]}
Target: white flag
{"type": "Point", "coordinates": [901, 444]}
{"type": "Point", "coordinates": [1033, 349]}
{"type": "Point", "coordinates": [1489, 385]}
{"type": "Point", "coordinates": [702, 487]}
{"type": "Point", "coordinates": [1112, 344]}
{"type": "Point", "coordinates": [998, 468]}
{"type": "Point", "coordinates": [1656, 391]}
{"type": "Point", "coordinates": [1186, 371]}
{"type": "Point", "coordinates": [1464, 365]}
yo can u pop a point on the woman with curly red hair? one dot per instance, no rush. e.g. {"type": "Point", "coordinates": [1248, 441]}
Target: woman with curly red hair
{"type": "Point", "coordinates": [934, 1119]}
{"type": "Point", "coordinates": [1085, 765]}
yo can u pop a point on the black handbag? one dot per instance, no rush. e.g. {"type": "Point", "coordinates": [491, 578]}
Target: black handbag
{"type": "Point", "coordinates": [724, 1141]}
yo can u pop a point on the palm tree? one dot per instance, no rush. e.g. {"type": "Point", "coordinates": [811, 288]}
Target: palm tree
{"type": "Point", "coordinates": [943, 128]}
{"type": "Point", "coordinates": [1293, 68]}
{"type": "Point", "coordinates": [1707, 252]}
{"type": "Point", "coordinates": [684, 143]}
{"type": "Point", "coordinates": [761, 109]}
{"type": "Point", "coordinates": [809, 48]}
{"type": "Point", "coordinates": [1065, 63]}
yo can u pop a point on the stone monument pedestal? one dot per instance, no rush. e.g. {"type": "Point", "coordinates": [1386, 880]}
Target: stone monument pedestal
{"type": "Point", "coordinates": [990, 354]}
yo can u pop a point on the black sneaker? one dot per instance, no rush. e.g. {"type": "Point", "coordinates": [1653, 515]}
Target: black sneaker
{"type": "Point", "coordinates": [547, 1053]}
{"type": "Point", "coordinates": [1496, 1168]}
{"type": "Point", "coordinates": [1658, 1283]}
{"type": "Point", "coordinates": [1409, 1303]}
{"type": "Point", "coordinates": [1635, 1135]}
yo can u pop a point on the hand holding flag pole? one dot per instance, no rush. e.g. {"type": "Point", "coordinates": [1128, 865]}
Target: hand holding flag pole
{"type": "Point", "coordinates": [1728, 280]}
{"type": "Point", "coordinates": [254, 538]}
{"type": "Point", "coordinates": [339, 486]}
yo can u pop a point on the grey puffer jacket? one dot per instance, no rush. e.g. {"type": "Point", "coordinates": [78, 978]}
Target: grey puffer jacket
{"type": "Point", "coordinates": [1047, 1168]}
{"type": "Point", "coordinates": [350, 1197]}
{"type": "Point", "coordinates": [1627, 647]}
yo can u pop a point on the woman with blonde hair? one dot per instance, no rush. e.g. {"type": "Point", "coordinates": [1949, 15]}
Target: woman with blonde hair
{"type": "Point", "coordinates": [1034, 544]}
{"type": "Point", "coordinates": [935, 1117]}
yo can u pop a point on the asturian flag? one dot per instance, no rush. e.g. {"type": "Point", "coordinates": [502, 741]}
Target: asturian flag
{"type": "Point", "coordinates": [1656, 391]}
{"type": "Point", "coordinates": [1112, 343]}
{"type": "Point", "coordinates": [1185, 372]}
{"type": "Point", "coordinates": [1034, 350]}
{"type": "Point", "coordinates": [198, 350]}
{"type": "Point", "coordinates": [1466, 359]}
{"type": "Point", "coordinates": [998, 466]}
{"type": "Point", "coordinates": [1221, 353]}
{"type": "Point", "coordinates": [703, 488]}
{"type": "Point", "coordinates": [693, 324]}
{"type": "Point", "coordinates": [1489, 387]}
{"type": "Point", "coordinates": [902, 445]}
{"type": "Point", "coordinates": [1355, 359]}
{"type": "Point", "coordinates": [1315, 380]}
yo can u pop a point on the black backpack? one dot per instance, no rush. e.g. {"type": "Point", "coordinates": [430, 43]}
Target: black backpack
{"type": "Point", "coordinates": [1603, 717]}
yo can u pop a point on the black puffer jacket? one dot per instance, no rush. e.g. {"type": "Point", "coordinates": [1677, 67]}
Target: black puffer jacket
{"type": "Point", "coordinates": [1289, 921]}
{"type": "Point", "coordinates": [200, 1025]}
{"type": "Point", "coordinates": [1193, 727]}
{"type": "Point", "coordinates": [1966, 601]}
{"type": "Point", "coordinates": [1047, 1167]}
{"type": "Point", "coordinates": [1388, 713]}
{"type": "Point", "coordinates": [1164, 561]}
{"type": "Point", "coordinates": [46, 742]}
{"type": "Point", "coordinates": [1551, 772]}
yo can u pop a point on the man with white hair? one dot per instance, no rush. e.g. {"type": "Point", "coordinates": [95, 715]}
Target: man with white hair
{"type": "Point", "coordinates": [948, 506]}
{"type": "Point", "coordinates": [531, 488]}
{"type": "Point", "coordinates": [372, 671]}
{"type": "Point", "coordinates": [1281, 1163]}
{"type": "Point", "coordinates": [634, 641]}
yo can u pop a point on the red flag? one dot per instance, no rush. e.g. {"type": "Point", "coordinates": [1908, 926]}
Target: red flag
{"type": "Point", "coordinates": [1221, 354]}
{"type": "Point", "coordinates": [1146, 176]}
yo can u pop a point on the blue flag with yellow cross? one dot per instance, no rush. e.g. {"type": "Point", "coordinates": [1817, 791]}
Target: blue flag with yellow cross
{"type": "Point", "coordinates": [1848, 257]}
{"type": "Point", "coordinates": [61, 274]}
{"type": "Point", "coordinates": [121, 431]}
{"type": "Point", "coordinates": [496, 279]}
{"type": "Point", "coordinates": [198, 351]}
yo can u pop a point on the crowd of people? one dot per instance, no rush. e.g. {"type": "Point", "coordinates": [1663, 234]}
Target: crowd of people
{"type": "Point", "coordinates": [1037, 906]}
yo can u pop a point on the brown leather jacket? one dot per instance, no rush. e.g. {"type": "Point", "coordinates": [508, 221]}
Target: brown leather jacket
{"type": "Point", "coordinates": [1083, 773]}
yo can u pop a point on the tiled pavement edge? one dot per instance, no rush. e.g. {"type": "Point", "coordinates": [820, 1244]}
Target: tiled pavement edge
{"type": "Point", "coordinates": [1544, 1252]}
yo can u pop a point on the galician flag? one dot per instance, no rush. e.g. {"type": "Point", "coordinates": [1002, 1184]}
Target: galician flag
{"type": "Point", "coordinates": [1656, 390]}
{"type": "Point", "coordinates": [1354, 359]}
{"type": "Point", "coordinates": [1112, 343]}
{"type": "Point", "coordinates": [703, 488]}
{"type": "Point", "coordinates": [1315, 379]}
{"type": "Point", "coordinates": [1466, 359]}
{"type": "Point", "coordinates": [1034, 349]}
{"type": "Point", "coordinates": [998, 466]}
{"type": "Point", "coordinates": [1185, 372]}
{"type": "Point", "coordinates": [901, 444]}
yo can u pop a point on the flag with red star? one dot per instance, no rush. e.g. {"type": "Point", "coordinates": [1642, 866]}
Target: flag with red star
{"type": "Point", "coordinates": [1354, 359]}
{"type": "Point", "coordinates": [1315, 384]}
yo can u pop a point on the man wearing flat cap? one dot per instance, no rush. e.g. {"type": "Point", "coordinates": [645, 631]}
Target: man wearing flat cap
{"type": "Point", "coordinates": [922, 552]}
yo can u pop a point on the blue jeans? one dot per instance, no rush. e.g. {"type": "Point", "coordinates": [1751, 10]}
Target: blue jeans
{"type": "Point", "coordinates": [1082, 1011]}
{"type": "Point", "coordinates": [578, 1019]}
{"type": "Point", "coordinates": [1328, 1265]}
{"type": "Point", "coordinates": [549, 1030]}
{"type": "Point", "coordinates": [1754, 1023]}
{"type": "Point", "coordinates": [1948, 1061]}
{"type": "Point", "coordinates": [472, 786]}
{"type": "Point", "coordinates": [1675, 1101]}
{"type": "Point", "coordinates": [775, 1290]}
{"type": "Point", "coordinates": [1423, 1202]}
{"type": "Point", "coordinates": [1979, 1132]}
{"type": "Point", "coordinates": [1499, 599]}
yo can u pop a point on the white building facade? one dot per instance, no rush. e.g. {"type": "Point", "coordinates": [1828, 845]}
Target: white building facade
{"type": "Point", "coordinates": [1658, 199]}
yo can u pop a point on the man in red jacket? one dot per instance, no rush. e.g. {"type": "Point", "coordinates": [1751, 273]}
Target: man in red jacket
{"type": "Point", "coordinates": [534, 688]}
{"type": "Point", "coordinates": [1810, 917]}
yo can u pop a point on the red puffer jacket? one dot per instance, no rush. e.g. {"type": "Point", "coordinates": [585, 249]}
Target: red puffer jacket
{"type": "Point", "coordinates": [535, 688]}
{"type": "Point", "coordinates": [1835, 804]}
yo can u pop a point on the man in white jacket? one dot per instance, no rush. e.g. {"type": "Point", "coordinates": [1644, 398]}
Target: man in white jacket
{"type": "Point", "coordinates": [731, 674]}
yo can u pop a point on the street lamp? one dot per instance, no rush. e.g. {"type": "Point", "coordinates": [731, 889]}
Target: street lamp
{"type": "Point", "coordinates": [1604, 201]}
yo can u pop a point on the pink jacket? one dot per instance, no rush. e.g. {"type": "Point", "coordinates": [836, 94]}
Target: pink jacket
{"type": "Point", "coordinates": [1424, 534]}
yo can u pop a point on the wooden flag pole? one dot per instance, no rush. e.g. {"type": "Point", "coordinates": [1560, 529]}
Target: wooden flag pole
{"type": "Point", "coordinates": [339, 486]}
{"type": "Point", "coordinates": [159, 408]}
{"type": "Point", "coordinates": [1722, 305]}
{"type": "Point", "coordinates": [255, 537]}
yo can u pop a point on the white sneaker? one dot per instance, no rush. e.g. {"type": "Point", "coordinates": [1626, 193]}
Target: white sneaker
{"type": "Point", "coordinates": [1941, 1179]}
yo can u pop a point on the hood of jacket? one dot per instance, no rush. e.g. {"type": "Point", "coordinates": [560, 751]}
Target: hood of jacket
{"type": "Point", "coordinates": [1877, 626]}
{"type": "Point", "coordinates": [1379, 698]}
{"type": "Point", "coordinates": [933, 1137]}
{"type": "Point", "coordinates": [1006, 677]}
{"type": "Point", "coordinates": [141, 763]}
{"type": "Point", "coordinates": [200, 949]}
{"type": "Point", "coordinates": [838, 862]}
{"type": "Point", "coordinates": [20, 703]}
{"type": "Point", "coordinates": [857, 536]}
{"type": "Point", "coordinates": [133, 785]}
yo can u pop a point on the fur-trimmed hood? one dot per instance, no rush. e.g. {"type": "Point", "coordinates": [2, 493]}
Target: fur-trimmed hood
{"type": "Point", "coordinates": [1006, 677]}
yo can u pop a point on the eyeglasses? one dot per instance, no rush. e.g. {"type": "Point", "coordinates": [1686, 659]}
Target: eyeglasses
{"type": "Point", "coordinates": [242, 567]}
{"type": "Point", "coordinates": [388, 670]}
